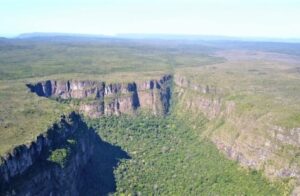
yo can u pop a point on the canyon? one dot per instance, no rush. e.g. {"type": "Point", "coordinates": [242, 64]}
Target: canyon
{"type": "Point", "coordinates": [235, 134]}
{"type": "Point", "coordinates": [96, 99]}
{"type": "Point", "coordinates": [58, 161]}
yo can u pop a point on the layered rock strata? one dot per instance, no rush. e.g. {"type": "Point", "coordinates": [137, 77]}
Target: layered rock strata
{"type": "Point", "coordinates": [239, 138]}
{"type": "Point", "coordinates": [110, 99]}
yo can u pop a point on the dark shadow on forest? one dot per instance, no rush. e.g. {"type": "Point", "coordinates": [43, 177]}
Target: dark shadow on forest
{"type": "Point", "coordinates": [98, 175]}
{"type": "Point", "coordinates": [45, 177]}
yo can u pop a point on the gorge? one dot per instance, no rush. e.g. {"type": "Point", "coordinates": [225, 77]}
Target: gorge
{"type": "Point", "coordinates": [56, 163]}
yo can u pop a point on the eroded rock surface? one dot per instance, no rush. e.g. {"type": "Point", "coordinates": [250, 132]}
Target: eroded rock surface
{"type": "Point", "coordinates": [239, 138]}
{"type": "Point", "coordinates": [110, 99]}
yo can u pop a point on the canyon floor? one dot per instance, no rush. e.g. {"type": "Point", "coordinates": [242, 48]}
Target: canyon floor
{"type": "Point", "coordinates": [170, 117]}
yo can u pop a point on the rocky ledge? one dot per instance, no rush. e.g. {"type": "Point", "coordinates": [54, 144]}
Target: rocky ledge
{"type": "Point", "coordinates": [238, 139]}
{"type": "Point", "coordinates": [101, 98]}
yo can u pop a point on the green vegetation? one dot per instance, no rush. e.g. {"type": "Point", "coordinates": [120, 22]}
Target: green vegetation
{"type": "Point", "coordinates": [60, 156]}
{"type": "Point", "coordinates": [169, 158]}
{"type": "Point", "coordinates": [28, 59]}
{"type": "Point", "coordinates": [23, 115]}
{"type": "Point", "coordinates": [172, 155]}
{"type": "Point", "coordinates": [258, 104]}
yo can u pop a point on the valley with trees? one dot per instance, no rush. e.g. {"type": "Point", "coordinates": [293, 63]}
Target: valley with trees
{"type": "Point", "coordinates": [120, 116]}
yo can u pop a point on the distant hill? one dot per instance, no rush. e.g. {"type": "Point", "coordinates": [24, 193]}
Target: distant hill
{"type": "Point", "coordinates": [36, 35]}
{"type": "Point", "coordinates": [207, 38]}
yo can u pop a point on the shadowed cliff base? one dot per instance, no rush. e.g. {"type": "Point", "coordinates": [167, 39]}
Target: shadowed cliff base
{"type": "Point", "coordinates": [98, 176]}
{"type": "Point", "coordinates": [70, 159]}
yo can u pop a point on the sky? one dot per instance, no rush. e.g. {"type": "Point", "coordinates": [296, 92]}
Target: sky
{"type": "Point", "coordinates": [243, 18]}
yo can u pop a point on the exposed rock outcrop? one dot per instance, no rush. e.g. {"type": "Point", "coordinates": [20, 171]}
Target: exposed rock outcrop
{"type": "Point", "coordinates": [183, 82]}
{"type": "Point", "coordinates": [110, 99]}
{"type": "Point", "coordinates": [239, 138]}
{"type": "Point", "coordinates": [209, 103]}
{"type": "Point", "coordinates": [286, 136]}
{"type": "Point", "coordinates": [36, 168]}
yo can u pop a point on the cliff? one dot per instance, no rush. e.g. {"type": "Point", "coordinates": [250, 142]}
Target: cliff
{"type": "Point", "coordinates": [205, 100]}
{"type": "Point", "coordinates": [254, 143]}
{"type": "Point", "coordinates": [56, 163]}
{"type": "Point", "coordinates": [96, 98]}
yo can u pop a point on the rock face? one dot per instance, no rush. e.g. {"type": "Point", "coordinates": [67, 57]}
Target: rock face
{"type": "Point", "coordinates": [203, 88]}
{"type": "Point", "coordinates": [110, 99]}
{"type": "Point", "coordinates": [28, 170]}
{"type": "Point", "coordinates": [286, 136]}
{"type": "Point", "coordinates": [238, 138]}
{"type": "Point", "coordinates": [210, 105]}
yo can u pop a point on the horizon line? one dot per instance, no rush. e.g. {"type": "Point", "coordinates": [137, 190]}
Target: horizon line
{"type": "Point", "coordinates": [152, 35]}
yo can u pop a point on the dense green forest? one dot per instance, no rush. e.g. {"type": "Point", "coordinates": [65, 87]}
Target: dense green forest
{"type": "Point", "coordinates": [169, 158]}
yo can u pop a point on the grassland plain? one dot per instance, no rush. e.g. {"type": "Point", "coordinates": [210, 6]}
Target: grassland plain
{"type": "Point", "coordinates": [263, 85]}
